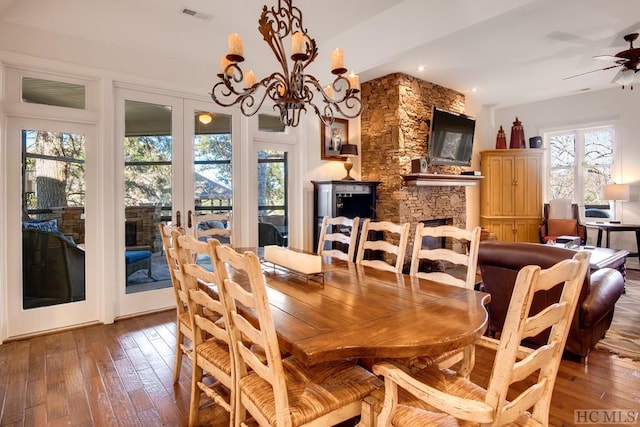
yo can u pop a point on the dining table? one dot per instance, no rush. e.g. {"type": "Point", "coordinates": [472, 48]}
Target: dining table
{"type": "Point", "coordinates": [351, 311]}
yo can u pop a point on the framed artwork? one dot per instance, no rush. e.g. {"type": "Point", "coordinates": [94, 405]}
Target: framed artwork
{"type": "Point", "coordinates": [332, 138]}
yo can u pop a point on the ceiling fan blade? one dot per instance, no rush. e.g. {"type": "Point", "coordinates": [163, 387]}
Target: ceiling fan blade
{"type": "Point", "coordinates": [592, 71]}
{"type": "Point", "coordinates": [610, 58]}
{"type": "Point", "coordinates": [618, 75]}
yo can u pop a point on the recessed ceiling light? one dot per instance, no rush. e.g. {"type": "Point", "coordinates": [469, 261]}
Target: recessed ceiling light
{"type": "Point", "coordinates": [474, 89]}
{"type": "Point", "coordinates": [421, 68]}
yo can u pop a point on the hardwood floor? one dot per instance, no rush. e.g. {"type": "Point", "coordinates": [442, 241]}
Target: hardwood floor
{"type": "Point", "coordinates": [121, 375]}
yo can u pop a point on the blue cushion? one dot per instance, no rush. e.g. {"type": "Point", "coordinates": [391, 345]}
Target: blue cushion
{"type": "Point", "coordinates": [51, 226]}
{"type": "Point", "coordinates": [135, 256]}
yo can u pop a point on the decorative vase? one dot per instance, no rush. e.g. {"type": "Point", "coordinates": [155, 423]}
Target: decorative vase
{"type": "Point", "coordinates": [517, 135]}
{"type": "Point", "coordinates": [501, 139]}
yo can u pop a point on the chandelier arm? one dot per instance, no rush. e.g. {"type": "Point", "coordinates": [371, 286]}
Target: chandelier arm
{"type": "Point", "coordinates": [274, 36]}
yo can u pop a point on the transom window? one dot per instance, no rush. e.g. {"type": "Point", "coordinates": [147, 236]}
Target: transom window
{"type": "Point", "coordinates": [581, 163]}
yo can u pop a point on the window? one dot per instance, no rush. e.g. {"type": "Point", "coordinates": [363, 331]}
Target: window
{"type": "Point", "coordinates": [581, 163]}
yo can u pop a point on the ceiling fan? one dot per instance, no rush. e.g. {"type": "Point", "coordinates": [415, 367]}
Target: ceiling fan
{"type": "Point", "coordinates": [627, 60]}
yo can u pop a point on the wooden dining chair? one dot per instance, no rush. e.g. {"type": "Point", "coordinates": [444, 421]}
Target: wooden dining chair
{"type": "Point", "coordinates": [217, 225]}
{"type": "Point", "coordinates": [280, 391]}
{"type": "Point", "coordinates": [336, 235]}
{"type": "Point", "coordinates": [169, 234]}
{"type": "Point", "coordinates": [393, 244]}
{"type": "Point", "coordinates": [410, 398]}
{"type": "Point", "coordinates": [211, 353]}
{"type": "Point", "coordinates": [445, 264]}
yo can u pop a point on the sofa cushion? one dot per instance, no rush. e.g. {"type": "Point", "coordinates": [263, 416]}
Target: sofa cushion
{"type": "Point", "coordinates": [562, 227]}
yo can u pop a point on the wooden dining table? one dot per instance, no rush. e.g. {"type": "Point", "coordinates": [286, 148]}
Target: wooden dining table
{"type": "Point", "coordinates": [351, 311]}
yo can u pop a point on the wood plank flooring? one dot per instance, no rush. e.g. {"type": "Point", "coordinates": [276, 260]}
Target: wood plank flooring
{"type": "Point", "coordinates": [121, 375]}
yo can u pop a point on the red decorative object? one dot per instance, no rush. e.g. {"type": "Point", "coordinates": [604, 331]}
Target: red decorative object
{"type": "Point", "coordinates": [501, 139]}
{"type": "Point", "coordinates": [517, 135]}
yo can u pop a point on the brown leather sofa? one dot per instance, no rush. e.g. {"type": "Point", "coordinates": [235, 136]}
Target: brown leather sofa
{"type": "Point", "coordinates": [499, 264]}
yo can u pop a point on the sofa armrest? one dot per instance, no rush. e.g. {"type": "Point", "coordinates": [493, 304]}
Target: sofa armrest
{"type": "Point", "coordinates": [607, 285]}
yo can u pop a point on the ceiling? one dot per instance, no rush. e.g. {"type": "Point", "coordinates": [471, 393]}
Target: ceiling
{"type": "Point", "coordinates": [496, 52]}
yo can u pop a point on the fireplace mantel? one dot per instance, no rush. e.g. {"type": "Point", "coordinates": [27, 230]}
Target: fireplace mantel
{"type": "Point", "coordinates": [440, 180]}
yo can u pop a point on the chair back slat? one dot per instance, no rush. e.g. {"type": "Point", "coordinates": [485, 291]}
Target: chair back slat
{"type": "Point", "coordinates": [393, 244]}
{"type": "Point", "coordinates": [342, 230]}
{"type": "Point", "coordinates": [447, 257]}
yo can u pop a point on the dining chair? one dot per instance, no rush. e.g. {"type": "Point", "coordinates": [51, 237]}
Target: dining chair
{"type": "Point", "coordinates": [169, 235]}
{"type": "Point", "coordinates": [451, 266]}
{"type": "Point", "coordinates": [211, 353]}
{"type": "Point", "coordinates": [218, 225]}
{"type": "Point", "coordinates": [280, 391]}
{"type": "Point", "coordinates": [393, 244]}
{"type": "Point", "coordinates": [336, 235]}
{"type": "Point", "coordinates": [445, 264]}
{"type": "Point", "coordinates": [410, 399]}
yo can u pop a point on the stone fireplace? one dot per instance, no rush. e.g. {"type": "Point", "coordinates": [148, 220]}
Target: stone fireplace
{"type": "Point", "coordinates": [396, 113]}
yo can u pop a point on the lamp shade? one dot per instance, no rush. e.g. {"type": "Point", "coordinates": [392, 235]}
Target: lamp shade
{"type": "Point", "coordinates": [616, 192]}
{"type": "Point", "coordinates": [349, 150]}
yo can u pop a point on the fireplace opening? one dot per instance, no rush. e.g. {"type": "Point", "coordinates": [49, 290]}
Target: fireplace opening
{"type": "Point", "coordinates": [435, 242]}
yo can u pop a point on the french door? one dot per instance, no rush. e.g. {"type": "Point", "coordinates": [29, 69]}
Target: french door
{"type": "Point", "coordinates": [175, 160]}
{"type": "Point", "coordinates": [53, 279]}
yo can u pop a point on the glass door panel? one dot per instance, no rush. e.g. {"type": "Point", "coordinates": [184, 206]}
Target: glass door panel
{"type": "Point", "coordinates": [212, 146]}
{"type": "Point", "coordinates": [53, 235]}
{"type": "Point", "coordinates": [51, 279]}
{"type": "Point", "coordinates": [148, 156]}
{"type": "Point", "coordinates": [273, 221]}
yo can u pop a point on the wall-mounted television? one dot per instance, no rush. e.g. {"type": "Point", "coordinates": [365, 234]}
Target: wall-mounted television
{"type": "Point", "coordinates": [451, 138]}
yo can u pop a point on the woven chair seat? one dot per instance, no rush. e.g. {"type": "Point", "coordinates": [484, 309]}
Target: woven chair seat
{"type": "Point", "coordinates": [215, 353]}
{"type": "Point", "coordinates": [312, 391]}
{"type": "Point", "coordinates": [412, 411]}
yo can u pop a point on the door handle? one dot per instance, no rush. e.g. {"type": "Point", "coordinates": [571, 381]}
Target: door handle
{"type": "Point", "coordinates": [178, 215]}
{"type": "Point", "coordinates": [189, 225]}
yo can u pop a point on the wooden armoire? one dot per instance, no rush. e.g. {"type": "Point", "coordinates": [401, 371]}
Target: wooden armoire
{"type": "Point", "coordinates": [511, 193]}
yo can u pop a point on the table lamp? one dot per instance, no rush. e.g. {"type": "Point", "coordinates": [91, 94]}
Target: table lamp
{"type": "Point", "coordinates": [348, 150]}
{"type": "Point", "coordinates": [615, 193]}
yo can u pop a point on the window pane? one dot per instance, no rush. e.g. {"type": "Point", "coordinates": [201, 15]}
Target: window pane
{"type": "Point", "coordinates": [49, 92]}
{"type": "Point", "coordinates": [53, 234]}
{"type": "Point", "coordinates": [562, 148]}
{"type": "Point", "coordinates": [562, 184]}
{"type": "Point", "coordinates": [598, 147]}
{"type": "Point", "coordinates": [268, 123]}
{"type": "Point", "coordinates": [212, 150]}
{"type": "Point", "coordinates": [594, 181]}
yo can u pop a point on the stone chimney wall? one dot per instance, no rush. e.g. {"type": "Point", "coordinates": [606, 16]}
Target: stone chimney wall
{"type": "Point", "coordinates": [395, 131]}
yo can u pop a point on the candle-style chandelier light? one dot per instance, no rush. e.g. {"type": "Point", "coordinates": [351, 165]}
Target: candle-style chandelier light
{"type": "Point", "coordinates": [291, 90]}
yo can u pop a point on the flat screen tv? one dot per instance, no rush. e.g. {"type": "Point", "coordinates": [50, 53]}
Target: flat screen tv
{"type": "Point", "coordinates": [451, 138]}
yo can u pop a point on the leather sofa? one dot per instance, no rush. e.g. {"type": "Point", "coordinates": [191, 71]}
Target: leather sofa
{"type": "Point", "coordinates": [499, 264]}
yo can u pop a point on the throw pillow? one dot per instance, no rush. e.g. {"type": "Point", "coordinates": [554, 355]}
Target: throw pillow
{"type": "Point", "coordinates": [562, 227]}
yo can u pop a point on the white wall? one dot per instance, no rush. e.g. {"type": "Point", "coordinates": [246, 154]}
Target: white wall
{"type": "Point", "coordinates": [614, 105]}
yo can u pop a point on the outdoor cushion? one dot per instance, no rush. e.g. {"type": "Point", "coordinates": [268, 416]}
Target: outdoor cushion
{"type": "Point", "coordinates": [135, 256]}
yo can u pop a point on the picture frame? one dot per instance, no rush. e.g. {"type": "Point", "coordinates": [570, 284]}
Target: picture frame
{"type": "Point", "coordinates": [332, 138]}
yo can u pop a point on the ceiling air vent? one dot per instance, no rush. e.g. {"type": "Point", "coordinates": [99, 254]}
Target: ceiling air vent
{"type": "Point", "coordinates": [195, 14]}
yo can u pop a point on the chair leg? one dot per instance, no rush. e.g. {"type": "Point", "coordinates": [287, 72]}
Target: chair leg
{"type": "Point", "coordinates": [194, 406]}
{"type": "Point", "coordinates": [178, 359]}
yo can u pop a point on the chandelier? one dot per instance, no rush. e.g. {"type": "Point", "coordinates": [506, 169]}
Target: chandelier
{"type": "Point", "coordinates": [291, 90]}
